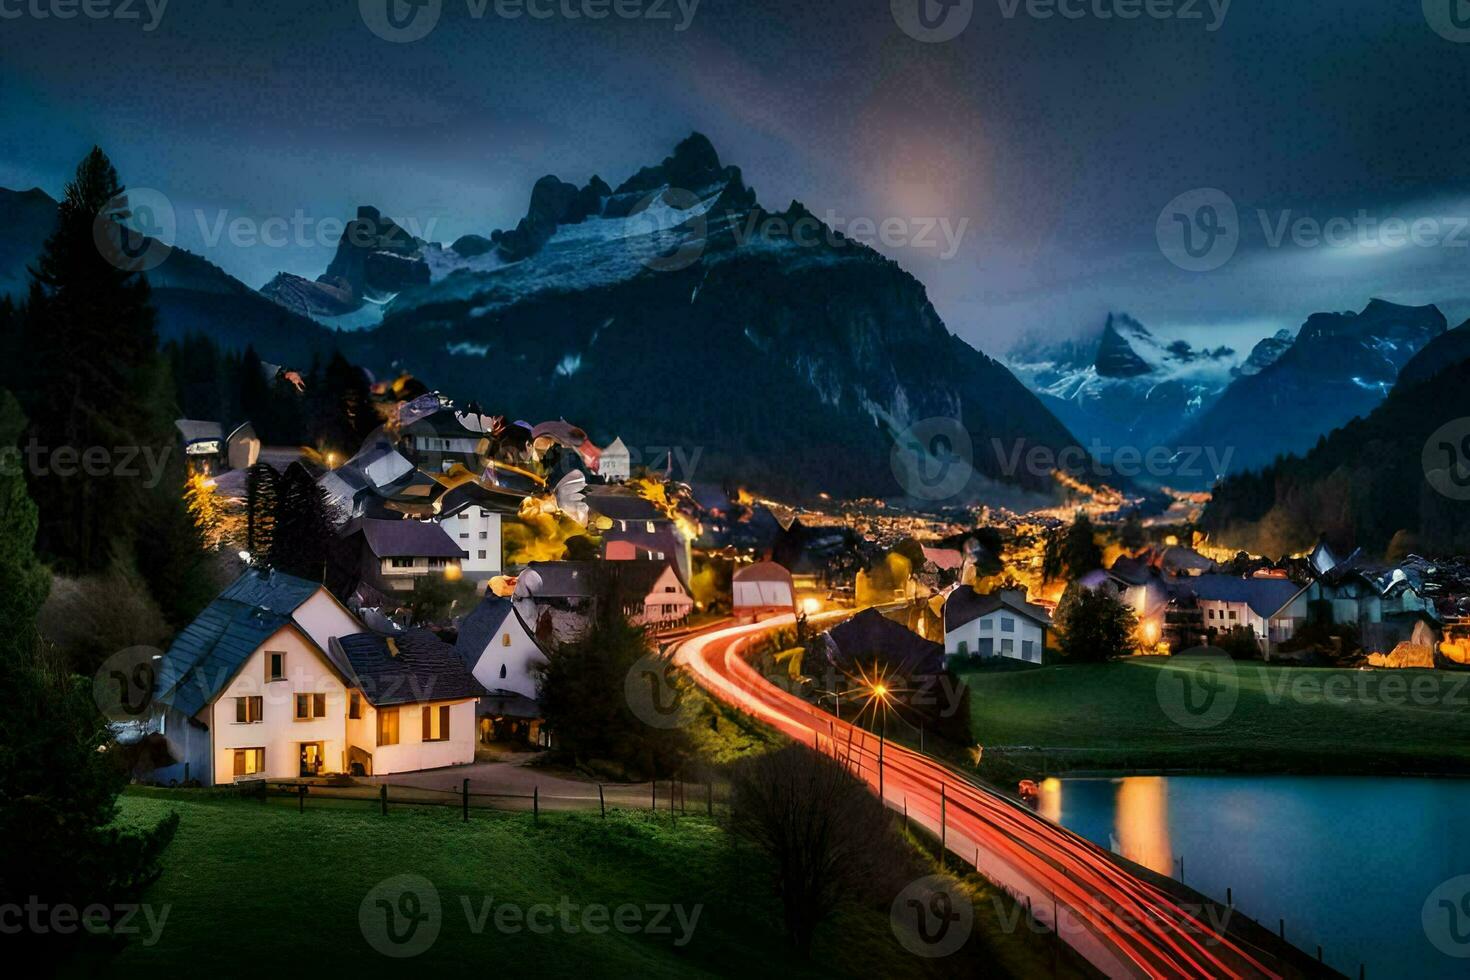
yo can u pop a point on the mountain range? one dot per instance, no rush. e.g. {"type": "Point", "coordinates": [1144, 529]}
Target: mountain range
{"type": "Point", "coordinates": [671, 311]}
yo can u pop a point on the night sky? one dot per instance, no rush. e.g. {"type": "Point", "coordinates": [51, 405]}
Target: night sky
{"type": "Point", "coordinates": [1057, 141]}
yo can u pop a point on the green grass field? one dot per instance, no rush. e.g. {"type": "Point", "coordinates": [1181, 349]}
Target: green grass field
{"type": "Point", "coordinates": [250, 883]}
{"type": "Point", "coordinates": [1139, 715]}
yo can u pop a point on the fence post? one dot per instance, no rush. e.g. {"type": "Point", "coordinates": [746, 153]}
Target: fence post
{"type": "Point", "coordinates": [536, 803]}
{"type": "Point", "coordinates": [383, 796]}
{"type": "Point", "coordinates": [466, 801]}
{"type": "Point", "coordinates": [301, 797]}
{"type": "Point", "coordinates": [653, 786]}
{"type": "Point", "coordinates": [601, 801]}
{"type": "Point", "coordinates": [709, 798]}
{"type": "Point", "coordinates": [943, 827]}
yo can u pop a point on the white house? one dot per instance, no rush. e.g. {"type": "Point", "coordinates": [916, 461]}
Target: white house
{"type": "Point", "coordinates": [762, 590]}
{"type": "Point", "coordinates": [503, 655]}
{"type": "Point", "coordinates": [477, 531]}
{"type": "Point", "coordinates": [616, 463]}
{"type": "Point", "coordinates": [1002, 624]}
{"type": "Point", "coordinates": [1273, 607]}
{"type": "Point", "coordinates": [256, 687]}
{"type": "Point", "coordinates": [560, 597]}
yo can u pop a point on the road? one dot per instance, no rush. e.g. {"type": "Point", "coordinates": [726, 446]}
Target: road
{"type": "Point", "coordinates": [1121, 924]}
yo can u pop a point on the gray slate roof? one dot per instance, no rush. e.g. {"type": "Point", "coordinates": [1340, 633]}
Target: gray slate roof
{"type": "Point", "coordinates": [1264, 596]}
{"type": "Point", "coordinates": [965, 605]}
{"type": "Point", "coordinates": [406, 539]}
{"type": "Point", "coordinates": [206, 655]}
{"type": "Point", "coordinates": [417, 668]}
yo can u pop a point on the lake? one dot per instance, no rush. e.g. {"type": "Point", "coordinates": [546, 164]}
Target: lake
{"type": "Point", "coordinates": [1375, 870]}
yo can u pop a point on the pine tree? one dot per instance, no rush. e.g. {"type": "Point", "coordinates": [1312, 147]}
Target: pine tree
{"type": "Point", "coordinates": [59, 772]}
{"type": "Point", "coordinates": [303, 526]}
{"type": "Point", "coordinates": [260, 511]}
{"type": "Point", "coordinates": [89, 344]}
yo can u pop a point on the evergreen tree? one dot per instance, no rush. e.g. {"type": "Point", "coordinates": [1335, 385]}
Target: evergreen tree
{"type": "Point", "coordinates": [1093, 626]}
{"type": "Point", "coordinates": [1071, 551]}
{"type": "Point", "coordinates": [59, 772]}
{"type": "Point", "coordinates": [89, 345]}
{"type": "Point", "coordinates": [260, 511]}
{"type": "Point", "coordinates": [303, 532]}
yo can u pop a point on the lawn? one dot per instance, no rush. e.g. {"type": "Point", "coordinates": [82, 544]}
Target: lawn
{"type": "Point", "coordinates": [1160, 714]}
{"type": "Point", "coordinates": [247, 883]}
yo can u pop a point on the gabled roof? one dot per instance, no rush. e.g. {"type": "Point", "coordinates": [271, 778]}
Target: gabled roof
{"type": "Point", "coordinates": [405, 539]}
{"type": "Point", "coordinates": [415, 667]}
{"type": "Point", "coordinates": [965, 605]}
{"type": "Point", "coordinates": [871, 635]}
{"type": "Point", "coordinates": [480, 626]}
{"type": "Point", "coordinates": [1265, 596]}
{"type": "Point", "coordinates": [622, 505]}
{"type": "Point", "coordinates": [582, 579]}
{"type": "Point", "coordinates": [207, 654]}
{"type": "Point", "coordinates": [762, 571]}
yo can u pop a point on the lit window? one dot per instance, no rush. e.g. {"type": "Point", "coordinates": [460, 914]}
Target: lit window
{"type": "Point", "coordinates": [248, 710]}
{"type": "Point", "coordinates": [436, 723]}
{"type": "Point", "coordinates": [275, 666]}
{"type": "Point", "coordinates": [505, 639]}
{"type": "Point", "coordinates": [248, 762]}
{"type": "Point", "coordinates": [388, 726]}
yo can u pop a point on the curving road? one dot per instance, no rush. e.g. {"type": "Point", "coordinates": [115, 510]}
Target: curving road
{"type": "Point", "coordinates": [1123, 925]}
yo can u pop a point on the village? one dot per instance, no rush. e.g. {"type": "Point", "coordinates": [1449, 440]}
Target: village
{"type": "Point", "coordinates": [458, 551]}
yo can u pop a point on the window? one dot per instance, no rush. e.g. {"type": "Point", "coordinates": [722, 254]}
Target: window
{"type": "Point", "coordinates": [438, 562]}
{"type": "Point", "coordinates": [275, 666]}
{"type": "Point", "coordinates": [484, 535]}
{"type": "Point", "coordinates": [987, 624]}
{"type": "Point", "coordinates": [1028, 650]}
{"type": "Point", "coordinates": [482, 556]}
{"type": "Point", "coordinates": [465, 536]}
{"type": "Point", "coordinates": [387, 726]}
{"type": "Point", "coordinates": [354, 705]}
{"type": "Point", "coordinates": [1212, 614]}
{"type": "Point", "coordinates": [964, 649]}
{"type": "Point", "coordinates": [310, 706]}
{"type": "Point", "coordinates": [436, 723]}
{"type": "Point", "coordinates": [505, 639]}
{"type": "Point", "coordinates": [464, 515]}
{"type": "Point", "coordinates": [248, 710]}
{"type": "Point", "coordinates": [650, 527]}
{"type": "Point", "coordinates": [248, 762]}
{"type": "Point", "coordinates": [1007, 646]}
{"type": "Point", "coordinates": [1007, 625]}
{"type": "Point", "coordinates": [1232, 614]}
{"type": "Point", "coordinates": [502, 671]}
{"type": "Point", "coordinates": [987, 647]}
{"type": "Point", "coordinates": [401, 562]}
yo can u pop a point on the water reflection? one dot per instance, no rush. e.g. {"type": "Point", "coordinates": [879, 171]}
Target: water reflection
{"type": "Point", "coordinates": [1142, 822]}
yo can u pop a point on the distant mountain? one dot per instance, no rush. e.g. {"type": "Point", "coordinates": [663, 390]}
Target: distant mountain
{"type": "Point", "coordinates": [1265, 354]}
{"type": "Point", "coordinates": [674, 311]}
{"type": "Point", "coordinates": [1341, 365]}
{"type": "Point", "coordinates": [1123, 387]}
{"type": "Point", "coordinates": [28, 218]}
{"type": "Point", "coordinates": [1366, 484]}
{"type": "Point", "coordinates": [192, 295]}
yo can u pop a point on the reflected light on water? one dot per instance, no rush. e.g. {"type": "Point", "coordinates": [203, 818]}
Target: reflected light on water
{"type": "Point", "coordinates": [1142, 828]}
{"type": "Point", "coordinates": [1049, 802]}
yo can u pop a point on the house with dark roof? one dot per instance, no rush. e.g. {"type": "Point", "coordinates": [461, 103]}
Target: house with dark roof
{"type": "Point", "coordinates": [247, 689]}
{"type": "Point", "coordinates": [390, 556]}
{"type": "Point", "coordinates": [559, 598]}
{"type": "Point", "coordinates": [871, 639]}
{"type": "Point", "coordinates": [410, 703]}
{"type": "Point", "coordinates": [638, 529]}
{"type": "Point", "coordinates": [1272, 606]}
{"type": "Point", "coordinates": [1000, 624]}
{"type": "Point", "coordinates": [439, 440]}
{"type": "Point", "coordinates": [503, 654]}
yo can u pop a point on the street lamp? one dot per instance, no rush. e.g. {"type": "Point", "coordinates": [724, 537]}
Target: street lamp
{"type": "Point", "coordinates": [880, 693]}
